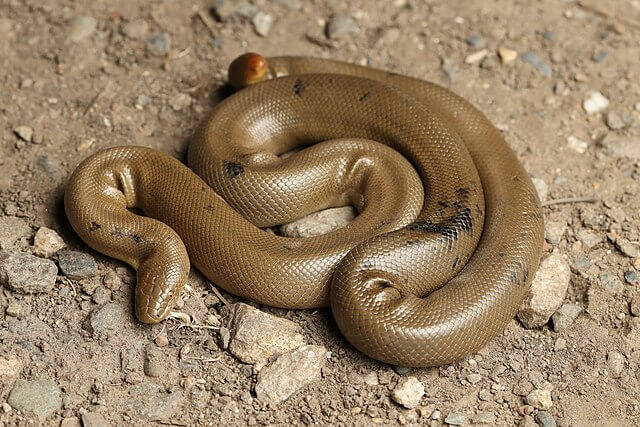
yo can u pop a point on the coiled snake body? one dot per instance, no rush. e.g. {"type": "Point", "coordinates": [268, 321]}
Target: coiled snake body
{"type": "Point", "coordinates": [449, 230]}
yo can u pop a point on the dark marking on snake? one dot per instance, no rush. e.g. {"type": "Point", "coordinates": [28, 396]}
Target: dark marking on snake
{"type": "Point", "coordinates": [443, 203]}
{"type": "Point", "coordinates": [298, 87]}
{"type": "Point", "coordinates": [94, 226]}
{"type": "Point", "coordinates": [209, 208]}
{"type": "Point", "coordinates": [233, 169]}
{"type": "Point", "coordinates": [364, 96]}
{"type": "Point", "coordinates": [455, 262]}
{"type": "Point", "coordinates": [513, 276]}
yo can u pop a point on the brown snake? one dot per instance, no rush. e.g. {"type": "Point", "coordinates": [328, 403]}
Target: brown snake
{"type": "Point", "coordinates": [446, 243]}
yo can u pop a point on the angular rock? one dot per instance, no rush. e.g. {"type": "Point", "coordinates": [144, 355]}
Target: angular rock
{"type": "Point", "coordinates": [47, 242]}
{"type": "Point", "coordinates": [224, 9]}
{"type": "Point", "coordinates": [107, 319]}
{"type": "Point", "coordinates": [71, 422]}
{"type": "Point", "coordinates": [289, 373]}
{"type": "Point", "coordinates": [476, 57]}
{"type": "Point", "coordinates": [81, 27]}
{"type": "Point", "coordinates": [25, 133]}
{"type": "Point", "coordinates": [577, 145]}
{"type": "Point", "coordinates": [257, 336]}
{"type": "Point", "coordinates": [540, 399]}
{"type": "Point", "coordinates": [94, 419]}
{"type": "Point", "coordinates": [408, 392]}
{"type": "Point", "coordinates": [589, 238]}
{"type": "Point", "coordinates": [565, 316]}
{"type": "Point", "coordinates": [630, 249]}
{"type": "Point", "coordinates": [454, 419]}
{"type": "Point", "coordinates": [152, 401]}
{"type": "Point", "coordinates": [262, 23]}
{"type": "Point", "coordinates": [620, 146]}
{"type": "Point", "coordinates": [614, 121]}
{"type": "Point", "coordinates": [537, 62]}
{"type": "Point", "coordinates": [595, 102]}
{"type": "Point", "coordinates": [77, 265]}
{"type": "Point", "coordinates": [541, 187]}
{"type": "Point", "coordinates": [159, 45]}
{"type": "Point", "coordinates": [10, 369]}
{"type": "Point", "coordinates": [26, 273]}
{"type": "Point", "coordinates": [11, 230]}
{"type": "Point", "coordinates": [554, 230]}
{"type": "Point", "coordinates": [545, 419]}
{"type": "Point", "coordinates": [615, 363]}
{"type": "Point", "coordinates": [341, 25]}
{"type": "Point", "coordinates": [41, 397]}
{"type": "Point", "coordinates": [507, 55]}
{"type": "Point", "coordinates": [548, 290]}
{"type": "Point", "coordinates": [319, 222]}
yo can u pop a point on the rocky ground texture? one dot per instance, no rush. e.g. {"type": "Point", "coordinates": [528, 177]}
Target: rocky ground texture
{"type": "Point", "coordinates": [558, 78]}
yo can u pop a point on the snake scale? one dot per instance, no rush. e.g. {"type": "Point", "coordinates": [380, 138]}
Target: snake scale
{"type": "Point", "coordinates": [449, 228]}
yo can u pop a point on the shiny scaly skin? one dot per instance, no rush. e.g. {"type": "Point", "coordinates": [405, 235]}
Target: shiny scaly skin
{"type": "Point", "coordinates": [442, 253]}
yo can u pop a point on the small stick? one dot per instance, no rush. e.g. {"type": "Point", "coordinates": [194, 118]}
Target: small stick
{"type": "Point", "coordinates": [93, 101]}
{"type": "Point", "coordinates": [570, 200]}
{"type": "Point", "coordinates": [606, 14]}
{"type": "Point", "coordinates": [204, 359]}
{"type": "Point", "coordinates": [218, 294]}
{"type": "Point", "coordinates": [206, 20]}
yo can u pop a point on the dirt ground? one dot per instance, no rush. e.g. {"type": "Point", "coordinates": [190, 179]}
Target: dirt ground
{"type": "Point", "coordinates": [72, 86]}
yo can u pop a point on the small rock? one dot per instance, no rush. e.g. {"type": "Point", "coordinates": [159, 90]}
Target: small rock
{"type": "Point", "coordinates": [454, 419]}
{"type": "Point", "coordinates": [71, 422]}
{"type": "Point", "coordinates": [577, 144]}
{"type": "Point", "coordinates": [81, 27]}
{"type": "Point", "coordinates": [289, 373]}
{"type": "Point", "coordinates": [41, 397]}
{"type": "Point", "coordinates": [636, 106]}
{"type": "Point", "coordinates": [247, 10]}
{"type": "Point", "coordinates": [548, 290]}
{"type": "Point", "coordinates": [14, 309]}
{"type": "Point", "coordinates": [94, 419]}
{"type": "Point", "coordinates": [107, 319]}
{"type": "Point", "coordinates": [224, 9]}
{"type": "Point", "coordinates": [101, 295]}
{"type": "Point", "coordinates": [180, 101]}
{"type": "Point", "coordinates": [262, 23]}
{"type": "Point", "coordinates": [614, 121]}
{"type": "Point", "coordinates": [77, 265]}
{"type": "Point", "coordinates": [10, 369]}
{"type": "Point", "coordinates": [162, 340]}
{"type": "Point", "coordinates": [47, 242]}
{"type": "Point", "coordinates": [135, 30]}
{"type": "Point", "coordinates": [589, 238]}
{"type": "Point", "coordinates": [476, 57]}
{"type": "Point", "coordinates": [560, 344]}
{"type": "Point", "coordinates": [225, 337]}
{"type": "Point", "coordinates": [142, 101]}
{"type": "Point", "coordinates": [152, 401]}
{"type": "Point", "coordinates": [474, 378]}
{"type": "Point", "coordinates": [319, 222]}
{"type": "Point", "coordinates": [153, 363]}
{"type": "Point", "coordinates": [290, 4]}
{"type": "Point", "coordinates": [630, 249]}
{"type": "Point", "coordinates": [545, 419]}
{"type": "Point", "coordinates": [554, 230]}
{"type": "Point", "coordinates": [506, 55]}
{"type": "Point", "coordinates": [483, 418]}
{"type": "Point", "coordinates": [341, 25]}
{"type": "Point", "coordinates": [408, 392]}
{"type": "Point", "coordinates": [371, 379]}
{"type": "Point", "coordinates": [621, 146]}
{"type": "Point", "coordinates": [111, 280]}
{"type": "Point", "coordinates": [540, 399]}
{"type": "Point", "coordinates": [565, 316]}
{"type": "Point", "coordinates": [528, 421]}
{"type": "Point", "coordinates": [449, 67]}
{"type": "Point", "coordinates": [537, 62]}
{"type": "Point", "coordinates": [476, 41]}
{"type": "Point", "coordinates": [631, 277]}
{"type": "Point", "coordinates": [634, 306]}
{"type": "Point", "coordinates": [257, 336]}
{"type": "Point", "coordinates": [594, 103]}
{"type": "Point", "coordinates": [11, 230]}
{"type": "Point", "coordinates": [26, 273]}
{"type": "Point", "coordinates": [541, 187]}
{"type": "Point", "coordinates": [599, 56]}
{"type": "Point", "coordinates": [401, 370]}
{"type": "Point", "coordinates": [159, 45]}
{"type": "Point", "coordinates": [611, 283]}
{"type": "Point", "coordinates": [25, 133]}
{"type": "Point", "coordinates": [436, 415]}
{"type": "Point", "coordinates": [615, 362]}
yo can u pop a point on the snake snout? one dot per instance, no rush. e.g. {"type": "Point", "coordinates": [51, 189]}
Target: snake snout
{"type": "Point", "coordinates": [247, 69]}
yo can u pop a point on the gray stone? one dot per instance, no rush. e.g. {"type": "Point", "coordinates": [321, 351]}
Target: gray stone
{"type": "Point", "coordinates": [11, 230]}
{"type": "Point", "coordinates": [26, 273]}
{"type": "Point", "coordinates": [408, 392]}
{"type": "Point", "coordinates": [25, 133]}
{"type": "Point", "coordinates": [401, 370]}
{"type": "Point", "coordinates": [290, 4]}
{"type": "Point", "coordinates": [595, 102]}
{"type": "Point", "coordinates": [483, 418]}
{"type": "Point", "coordinates": [94, 419]}
{"type": "Point", "coordinates": [76, 264]}
{"type": "Point", "coordinates": [101, 295]}
{"type": "Point", "coordinates": [631, 276]}
{"type": "Point", "coordinates": [159, 45]}
{"type": "Point", "coordinates": [152, 401]}
{"type": "Point", "coordinates": [615, 363]}
{"type": "Point", "coordinates": [81, 27]}
{"type": "Point", "coordinates": [614, 121]}
{"type": "Point", "coordinates": [224, 9]}
{"type": "Point", "coordinates": [47, 242]}
{"type": "Point", "coordinates": [41, 397]}
{"type": "Point", "coordinates": [600, 56]}
{"type": "Point", "coordinates": [564, 317]}
{"type": "Point", "coordinates": [107, 319]}
{"type": "Point", "coordinates": [476, 41]}
{"type": "Point", "coordinates": [545, 419]}
{"type": "Point", "coordinates": [257, 336]}
{"type": "Point", "coordinates": [135, 29]}
{"type": "Point", "coordinates": [611, 283]}
{"type": "Point", "coordinates": [142, 101]}
{"type": "Point", "coordinates": [246, 10]}
{"type": "Point", "coordinates": [537, 62]}
{"type": "Point", "coordinates": [589, 238]}
{"type": "Point", "coordinates": [454, 419]}
{"type": "Point", "coordinates": [262, 23]}
{"type": "Point", "coordinates": [319, 222]}
{"type": "Point", "coordinates": [341, 25]}
{"type": "Point", "coordinates": [289, 373]}
{"type": "Point", "coordinates": [619, 146]}
{"type": "Point", "coordinates": [548, 290]}
{"type": "Point", "coordinates": [540, 399]}
{"type": "Point", "coordinates": [630, 249]}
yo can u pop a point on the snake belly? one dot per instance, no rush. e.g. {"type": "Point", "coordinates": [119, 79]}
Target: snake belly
{"type": "Point", "coordinates": [449, 228]}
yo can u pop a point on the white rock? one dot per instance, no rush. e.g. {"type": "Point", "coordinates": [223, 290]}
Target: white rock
{"type": "Point", "coordinates": [577, 144]}
{"type": "Point", "coordinates": [81, 27]}
{"type": "Point", "coordinates": [507, 55]}
{"type": "Point", "coordinates": [554, 230]}
{"type": "Point", "coordinates": [594, 103]}
{"type": "Point", "coordinates": [47, 242]}
{"type": "Point", "coordinates": [371, 379]}
{"type": "Point", "coordinates": [540, 399]}
{"type": "Point", "coordinates": [615, 362]}
{"type": "Point", "coordinates": [547, 293]}
{"type": "Point", "coordinates": [408, 392]}
{"type": "Point", "coordinates": [476, 57]}
{"type": "Point", "coordinates": [541, 187]}
{"type": "Point", "coordinates": [289, 373]}
{"type": "Point", "coordinates": [319, 222]}
{"type": "Point", "coordinates": [24, 132]}
{"type": "Point", "coordinates": [262, 23]}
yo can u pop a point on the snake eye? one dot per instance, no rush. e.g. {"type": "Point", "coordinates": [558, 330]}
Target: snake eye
{"type": "Point", "coordinates": [247, 69]}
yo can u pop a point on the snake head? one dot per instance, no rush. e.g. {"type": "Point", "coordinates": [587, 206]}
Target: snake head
{"type": "Point", "coordinates": [248, 69]}
{"type": "Point", "coordinates": [158, 289]}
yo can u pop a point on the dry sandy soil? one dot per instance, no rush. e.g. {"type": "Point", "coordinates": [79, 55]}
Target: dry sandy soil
{"type": "Point", "coordinates": [73, 85]}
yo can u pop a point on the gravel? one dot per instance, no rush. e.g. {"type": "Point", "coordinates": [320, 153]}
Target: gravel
{"type": "Point", "coordinates": [41, 397]}
{"type": "Point", "coordinates": [408, 392]}
{"type": "Point", "coordinates": [77, 265]}
{"type": "Point", "coordinates": [25, 273]}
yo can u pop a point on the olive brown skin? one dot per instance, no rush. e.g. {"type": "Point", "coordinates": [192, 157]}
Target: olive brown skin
{"type": "Point", "coordinates": [442, 253]}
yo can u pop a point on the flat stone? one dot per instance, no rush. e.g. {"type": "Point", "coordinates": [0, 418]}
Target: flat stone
{"type": "Point", "coordinates": [619, 146]}
{"type": "Point", "coordinates": [47, 242]}
{"type": "Point", "coordinates": [476, 57]}
{"type": "Point", "coordinates": [341, 25]}
{"type": "Point", "coordinates": [454, 419]}
{"type": "Point", "coordinates": [77, 265]}
{"type": "Point", "coordinates": [26, 273]}
{"type": "Point", "coordinates": [630, 249]}
{"type": "Point", "coordinates": [257, 336]}
{"type": "Point", "coordinates": [262, 23]}
{"type": "Point", "coordinates": [634, 306]}
{"type": "Point", "coordinates": [545, 419]}
{"type": "Point", "coordinates": [25, 133]}
{"type": "Point", "coordinates": [595, 102]}
{"type": "Point", "coordinates": [589, 238]}
{"type": "Point", "coordinates": [577, 145]}
{"type": "Point", "coordinates": [81, 27]}
{"type": "Point", "coordinates": [540, 399]}
{"type": "Point", "coordinates": [564, 317]}
{"type": "Point", "coordinates": [12, 229]}
{"type": "Point", "coordinates": [94, 419]}
{"type": "Point", "coordinates": [289, 373]}
{"type": "Point", "coordinates": [371, 379]}
{"type": "Point", "coordinates": [547, 293]}
{"type": "Point", "coordinates": [319, 222]}
{"type": "Point", "coordinates": [537, 62]}
{"type": "Point", "coordinates": [611, 283]}
{"type": "Point", "coordinates": [408, 392]}
{"type": "Point", "coordinates": [41, 397]}
{"type": "Point", "coordinates": [159, 45]}
{"type": "Point", "coordinates": [107, 319]}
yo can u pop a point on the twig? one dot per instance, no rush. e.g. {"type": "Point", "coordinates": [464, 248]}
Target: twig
{"type": "Point", "coordinates": [206, 20]}
{"type": "Point", "coordinates": [218, 294]}
{"type": "Point", "coordinates": [570, 200]}
{"type": "Point", "coordinates": [607, 14]}
{"type": "Point", "coordinates": [93, 101]}
{"type": "Point", "coordinates": [203, 359]}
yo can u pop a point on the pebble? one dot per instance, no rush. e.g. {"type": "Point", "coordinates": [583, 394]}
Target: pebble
{"type": "Point", "coordinates": [41, 397]}
{"type": "Point", "coordinates": [454, 419]}
{"type": "Point", "coordinates": [600, 56]}
{"type": "Point", "coordinates": [630, 249]}
{"type": "Point", "coordinates": [142, 101]}
{"type": "Point", "coordinates": [528, 421]}
{"type": "Point", "coordinates": [25, 133]}
{"type": "Point", "coordinates": [577, 145]}
{"type": "Point", "coordinates": [290, 4]}
{"type": "Point", "coordinates": [135, 30]}
{"type": "Point", "coordinates": [621, 146]}
{"type": "Point", "coordinates": [101, 295]}
{"type": "Point", "coordinates": [26, 273]}
{"type": "Point", "coordinates": [159, 45]}
{"type": "Point", "coordinates": [225, 337]}
{"type": "Point", "coordinates": [589, 238]}
{"type": "Point", "coordinates": [449, 67]}
{"type": "Point", "coordinates": [262, 23]}
{"type": "Point", "coordinates": [540, 399]}
{"type": "Point", "coordinates": [180, 101]}
{"type": "Point", "coordinates": [476, 56]}
{"type": "Point", "coordinates": [371, 379]}
{"type": "Point", "coordinates": [541, 187]}
{"type": "Point", "coordinates": [111, 280]}
{"type": "Point", "coordinates": [224, 9]}
{"type": "Point", "coordinates": [319, 222]}
{"type": "Point", "coordinates": [594, 103]}
{"type": "Point", "coordinates": [11, 230]}
{"type": "Point", "coordinates": [152, 401]}
{"type": "Point", "coordinates": [560, 344]}
{"type": "Point", "coordinates": [401, 370]}
{"type": "Point", "coordinates": [14, 309]}
{"type": "Point", "coordinates": [71, 422]}
{"type": "Point", "coordinates": [631, 277]}
{"type": "Point", "coordinates": [341, 25]}
{"type": "Point", "coordinates": [636, 106]}
{"type": "Point", "coordinates": [564, 317]}
{"type": "Point", "coordinates": [77, 265]}
{"type": "Point", "coordinates": [545, 419]}
{"type": "Point", "coordinates": [107, 319]}
{"type": "Point", "coordinates": [289, 373]}
{"type": "Point", "coordinates": [483, 418]}
{"type": "Point", "coordinates": [81, 27]}
{"type": "Point", "coordinates": [611, 283]}
{"type": "Point", "coordinates": [615, 362]}
{"type": "Point", "coordinates": [554, 231]}
{"type": "Point", "coordinates": [10, 369]}
{"type": "Point", "coordinates": [537, 62]}
{"type": "Point", "coordinates": [614, 121]}
{"type": "Point", "coordinates": [47, 242]}
{"type": "Point", "coordinates": [94, 419]}
{"type": "Point", "coordinates": [247, 10]}
{"type": "Point", "coordinates": [507, 55]}
{"type": "Point", "coordinates": [257, 336]}
{"type": "Point", "coordinates": [153, 363]}
{"type": "Point", "coordinates": [408, 392]}
{"type": "Point", "coordinates": [547, 293]}
{"type": "Point", "coordinates": [162, 340]}
{"type": "Point", "coordinates": [634, 306]}
{"type": "Point", "coordinates": [474, 378]}
{"type": "Point", "coordinates": [476, 41]}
